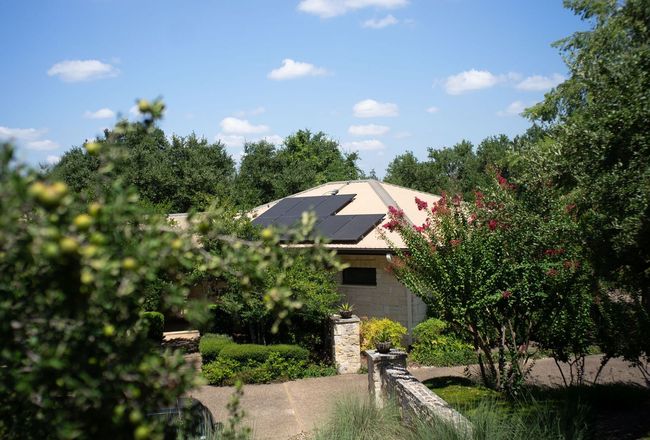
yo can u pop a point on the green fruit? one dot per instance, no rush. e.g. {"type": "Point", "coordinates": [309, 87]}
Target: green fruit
{"type": "Point", "coordinates": [68, 245]}
{"type": "Point", "coordinates": [50, 250]}
{"type": "Point", "coordinates": [94, 208]}
{"type": "Point", "coordinates": [36, 189]}
{"type": "Point", "coordinates": [93, 147]}
{"type": "Point", "coordinates": [108, 330]}
{"type": "Point", "coordinates": [135, 416]}
{"type": "Point", "coordinates": [177, 244]}
{"type": "Point", "coordinates": [267, 234]}
{"type": "Point", "coordinates": [83, 221]}
{"type": "Point", "coordinates": [97, 238]}
{"type": "Point", "coordinates": [129, 263]}
{"type": "Point", "coordinates": [142, 432]}
{"type": "Point", "coordinates": [144, 106]}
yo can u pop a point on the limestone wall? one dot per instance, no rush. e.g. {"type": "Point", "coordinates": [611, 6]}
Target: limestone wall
{"type": "Point", "coordinates": [389, 298]}
{"type": "Point", "coordinates": [389, 378]}
{"type": "Point", "coordinates": [346, 345]}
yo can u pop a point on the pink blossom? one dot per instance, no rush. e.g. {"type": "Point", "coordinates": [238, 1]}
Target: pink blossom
{"type": "Point", "coordinates": [506, 294]}
{"type": "Point", "coordinates": [421, 204]}
{"type": "Point", "coordinates": [455, 243]}
{"type": "Point", "coordinates": [492, 224]}
{"type": "Point", "coordinates": [456, 200]}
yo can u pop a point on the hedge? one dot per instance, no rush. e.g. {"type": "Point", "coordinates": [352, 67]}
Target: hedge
{"type": "Point", "coordinates": [155, 323]}
{"type": "Point", "coordinates": [211, 345]}
{"type": "Point", "coordinates": [260, 353]}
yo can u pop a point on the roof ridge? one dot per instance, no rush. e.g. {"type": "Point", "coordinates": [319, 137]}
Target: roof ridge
{"type": "Point", "coordinates": [385, 196]}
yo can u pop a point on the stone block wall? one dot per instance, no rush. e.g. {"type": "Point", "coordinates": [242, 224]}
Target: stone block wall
{"type": "Point", "coordinates": [389, 378]}
{"type": "Point", "coordinates": [346, 344]}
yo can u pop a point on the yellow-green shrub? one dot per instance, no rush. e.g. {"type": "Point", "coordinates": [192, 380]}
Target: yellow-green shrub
{"type": "Point", "coordinates": [372, 328]}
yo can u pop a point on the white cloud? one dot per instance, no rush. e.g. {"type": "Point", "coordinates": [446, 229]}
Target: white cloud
{"type": "Point", "coordinates": [332, 8]}
{"type": "Point", "coordinates": [380, 23]}
{"type": "Point", "coordinates": [238, 141]}
{"type": "Point", "coordinates": [82, 70]}
{"type": "Point", "coordinates": [513, 109]}
{"type": "Point", "coordinates": [540, 82]}
{"type": "Point", "coordinates": [42, 145]}
{"type": "Point", "coordinates": [102, 113]}
{"type": "Point", "coordinates": [231, 125]}
{"type": "Point", "coordinates": [368, 130]}
{"type": "Point", "coordinates": [231, 140]}
{"type": "Point", "coordinates": [295, 69]}
{"type": "Point", "coordinates": [367, 145]}
{"type": "Point", "coordinates": [24, 134]}
{"type": "Point", "coordinates": [432, 109]}
{"type": "Point", "coordinates": [52, 159]}
{"type": "Point", "coordinates": [471, 80]}
{"type": "Point", "coordinates": [369, 108]}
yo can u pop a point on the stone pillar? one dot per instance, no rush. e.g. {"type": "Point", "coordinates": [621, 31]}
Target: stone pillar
{"type": "Point", "coordinates": [377, 364]}
{"type": "Point", "coordinates": [346, 344]}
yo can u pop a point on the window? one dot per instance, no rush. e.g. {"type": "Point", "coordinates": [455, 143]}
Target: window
{"type": "Point", "coordinates": [360, 276]}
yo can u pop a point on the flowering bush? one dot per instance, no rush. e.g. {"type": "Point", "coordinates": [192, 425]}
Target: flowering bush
{"type": "Point", "coordinates": [502, 271]}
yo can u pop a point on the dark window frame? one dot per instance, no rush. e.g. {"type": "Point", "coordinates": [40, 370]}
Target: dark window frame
{"type": "Point", "coordinates": [359, 276]}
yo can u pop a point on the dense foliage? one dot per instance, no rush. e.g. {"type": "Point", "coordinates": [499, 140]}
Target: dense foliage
{"type": "Point", "coordinates": [432, 345]}
{"type": "Point", "coordinates": [251, 363]}
{"type": "Point", "coordinates": [375, 330]}
{"type": "Point", "coordinates": [76, 358]}
{"type": "Point", "coordinates": [169, 175]}
{"type": "Point", "coordinates": [597, 149]}
{"type": "Point", "coordinates": [268, 173]}
{"type": "Point", "coordinates": [501, 274]}
{"type": "Point", "coordinates": [459, 169]}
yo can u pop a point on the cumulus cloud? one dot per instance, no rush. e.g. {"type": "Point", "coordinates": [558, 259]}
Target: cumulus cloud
{"type": "Point", "coordinates": [432, 109]}
{"type": "Point", "coordinates": [379, 23]}
{"type": "Point", "coordinates": [540, 82]}
{"type": "Point", "coordinates": [470, 80]}
{"type": "Point", "coordinates": [7, 133]}
{"type": "Point", "coordinates": [82, 70]}
{"type": "Point", "coordinates": [42, 145]}
{"type": "Point", "coordinates": [232, 125]}
{"type": "Point", "coordinates": [515, 108]}
{"type": "Point", "coordinates": [52, 159]}
{"type": "Point", "coordinates": [291, 69]}
{"type": "Point", "coordinates": [102, 113]}
{"type": "Point", "coordinates": [30, 138]}
{"type": "Point", "coordinates": [368, 130]}
{"type": "Point", "coordinates": [366, 145]}
{"type": "Point", "coordinates": [238, 141]}
{"type": "Point", "coordinates": [369, 108]}
{"type": "Point", "coordinates": [333, 8]}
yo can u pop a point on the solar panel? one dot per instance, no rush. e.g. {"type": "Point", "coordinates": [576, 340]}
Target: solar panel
{"type": "Point", "coordinates": [328, 226]}
{"type": "Point", "coordinates": [337, 228]}
{"type": "Point", "coordinates": [357, 227]}
{"type": "Point", "coordinates": [333, 204]}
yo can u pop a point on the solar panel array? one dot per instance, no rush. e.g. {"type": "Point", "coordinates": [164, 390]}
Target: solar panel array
{"type": "Point", "coordinates": [337, 228]}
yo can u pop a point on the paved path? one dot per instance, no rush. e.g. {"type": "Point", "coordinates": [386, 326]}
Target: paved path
{"type": "Point", "coordinates": [283, 410]}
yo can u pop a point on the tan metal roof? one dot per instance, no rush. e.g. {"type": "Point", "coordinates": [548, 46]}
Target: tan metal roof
{"type": "Point", "coordinates": [372, 197]}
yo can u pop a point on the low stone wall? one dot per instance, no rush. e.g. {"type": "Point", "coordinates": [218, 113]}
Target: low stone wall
{"type": "Point", "coordinates": [389, 378]}
{"type": "Point", "coordinates": [346, 344]}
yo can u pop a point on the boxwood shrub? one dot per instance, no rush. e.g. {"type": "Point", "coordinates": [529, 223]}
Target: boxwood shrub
{"type": "Point", "coordinates": [211, 345]}
{"type": "Point", "coordinates": [259, 353]}
{"type": "Point", "coordinates": [155, 323]}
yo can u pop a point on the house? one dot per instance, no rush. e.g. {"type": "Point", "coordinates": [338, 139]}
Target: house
{"type": "Point", "coordinates": [350, 214]}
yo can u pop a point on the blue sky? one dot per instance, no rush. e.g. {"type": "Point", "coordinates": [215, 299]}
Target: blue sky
{"type": "Point", "coordinates": [379, 76]}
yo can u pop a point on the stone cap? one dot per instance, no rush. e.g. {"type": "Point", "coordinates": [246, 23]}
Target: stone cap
{"type": "Point", "coordinates": [392, 355]}
{"type": "Point", "coordinates": [338, 320]}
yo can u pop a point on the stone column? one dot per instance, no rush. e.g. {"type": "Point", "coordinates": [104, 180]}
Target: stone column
{"type": "Point", "coordinates": [377, 365]}
{"type": "Point", "coordinates": [346, 344]}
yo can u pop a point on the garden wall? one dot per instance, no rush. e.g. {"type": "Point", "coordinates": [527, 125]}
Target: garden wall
{"type": "Point", "coordinates": [389, 378]}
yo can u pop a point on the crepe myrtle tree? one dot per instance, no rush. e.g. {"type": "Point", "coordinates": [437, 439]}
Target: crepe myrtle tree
{"type": "Point", "coordinates": [501, 274]}
{"type": "Point", "coordinates": [75, 360]}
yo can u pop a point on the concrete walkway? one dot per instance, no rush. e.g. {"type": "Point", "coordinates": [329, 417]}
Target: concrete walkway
{"type": "Point", "coordinates": [284, 410]}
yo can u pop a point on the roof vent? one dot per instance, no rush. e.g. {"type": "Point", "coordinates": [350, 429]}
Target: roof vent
{"type": "Point", "coordinates": [333, 192]}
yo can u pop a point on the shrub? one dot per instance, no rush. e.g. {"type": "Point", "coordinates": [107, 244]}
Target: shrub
{"type": "Point", "coordinates": [374, 327]}
{"type": "Point", "coordinates": [211, 345]}
{"type": "Point", "coordinates": [220, 371]}
{"type": "Point", "coordinates": [155, 323]}
{"type": "Point", "coordinates": [290, 352]}
{"type": "Point", "coordinates": [245, 352]}
{"type": "Point", "coordinates": [432, 347]}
